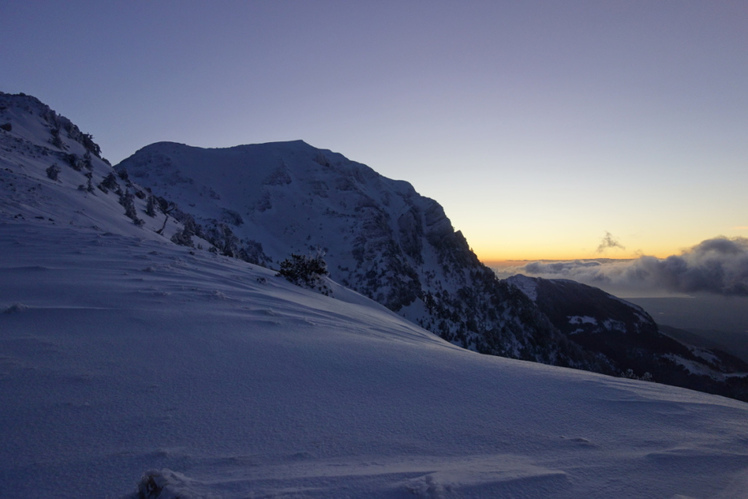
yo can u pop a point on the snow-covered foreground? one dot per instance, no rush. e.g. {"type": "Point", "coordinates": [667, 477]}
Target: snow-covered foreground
{"type": "Point", "coordinates": [120, 355]}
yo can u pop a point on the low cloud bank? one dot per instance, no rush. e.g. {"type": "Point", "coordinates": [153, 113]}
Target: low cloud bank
{"type": "Point", "coordinates": [718, 266]}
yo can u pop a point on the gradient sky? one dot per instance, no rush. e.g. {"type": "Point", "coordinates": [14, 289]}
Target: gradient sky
{"type": "Point", "coordinates": [540, 126]}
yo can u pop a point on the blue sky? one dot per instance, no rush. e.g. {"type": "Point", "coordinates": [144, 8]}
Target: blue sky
{"type": "Point", "coordinates": [540, 126]}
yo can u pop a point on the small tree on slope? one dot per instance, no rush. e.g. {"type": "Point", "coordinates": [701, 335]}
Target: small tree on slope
{"type": "Point", "coordinates": [305, 271]}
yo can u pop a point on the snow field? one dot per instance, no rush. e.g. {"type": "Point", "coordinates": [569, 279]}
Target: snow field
{"type": "Point", "coordinates": [121, 355]}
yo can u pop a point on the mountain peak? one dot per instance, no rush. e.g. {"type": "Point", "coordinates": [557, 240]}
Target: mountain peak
{"type": "Point", "coordinates": [379, 236]}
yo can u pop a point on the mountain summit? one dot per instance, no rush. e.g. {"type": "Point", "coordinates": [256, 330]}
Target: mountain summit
{"type": "Point", "coordinates": [379, 237]}
{"type": "Point", "coordinates": [265, 202]}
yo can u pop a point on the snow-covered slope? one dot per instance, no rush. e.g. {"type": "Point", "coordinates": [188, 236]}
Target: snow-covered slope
{"type": "Point", "coordinates": [121, 354]}
{"type": "Point", "coordinates": [52, 172]}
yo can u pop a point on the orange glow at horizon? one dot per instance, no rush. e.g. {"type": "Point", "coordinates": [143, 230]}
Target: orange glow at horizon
{"type": "Point", "coordinates": [510, 255]}
{"type": "Point", "coordinates": [525, 245]}
{"type": "Point", "coordinates": [515, 257]}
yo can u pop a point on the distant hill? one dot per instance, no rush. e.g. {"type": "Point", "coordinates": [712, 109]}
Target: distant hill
{"type": "Point", "coordinates": [627, 335]}
{"type": "Point", "coordinates": [717, 321]}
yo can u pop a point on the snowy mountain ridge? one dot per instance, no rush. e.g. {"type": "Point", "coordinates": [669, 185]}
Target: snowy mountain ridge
{"type": "Point", "coordinates": [133, 366]}
{"type": "Point", "coordinates": [383, 239]}
{"type": "Point", "coordinates": [379, 237]}
{"type": "Point", "coordinates": [51, 171]}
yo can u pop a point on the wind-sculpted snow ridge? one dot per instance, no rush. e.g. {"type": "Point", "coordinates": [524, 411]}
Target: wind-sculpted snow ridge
{"type": "Point", "coordinates": [130, 366]}
{"type": "Point", "coordinates": [379, 237]}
